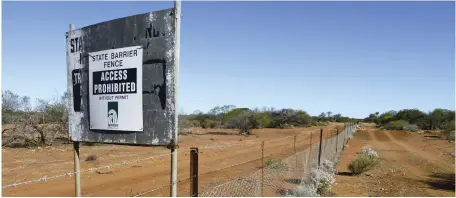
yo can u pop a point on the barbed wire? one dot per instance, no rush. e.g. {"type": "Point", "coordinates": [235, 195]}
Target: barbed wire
{"type": "Point", "coordinates": [69, 174]}
{"type": "Point", "coordinates": [150, 191]}
{"type": "Point", "coordinates": [134, 155]}
{"type": "Point", "coordinates": [209, 147]}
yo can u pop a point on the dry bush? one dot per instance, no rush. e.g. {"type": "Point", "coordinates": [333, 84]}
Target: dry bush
{"type": "Point", "coordinates": [274, 163]}
{"type": "Point", "coordinates": [33, 128]}
{"type": "Point", "coordinates": [29, 133]}
{"type": "Point", "coordinates": [91, 158]}
{"type": "Point", "coordinates": [367, 159]}
{"type": "Point", "coordinates": [305, 190]}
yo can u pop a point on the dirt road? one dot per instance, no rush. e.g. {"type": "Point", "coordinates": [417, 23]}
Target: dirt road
{"type": "Point", "coordinates": [237, 156]}
{"type": "Point", "coordinates": [411, 165]}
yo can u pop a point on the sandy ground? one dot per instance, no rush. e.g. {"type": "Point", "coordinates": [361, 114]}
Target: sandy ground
{"type": "Point", "coordinates": [411, 164]}
{"type": "Point", "coordinates": [237, 156]}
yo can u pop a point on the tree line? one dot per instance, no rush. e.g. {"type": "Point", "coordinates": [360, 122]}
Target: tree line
{"type": "Point", "coordinates": [245, 119]}
{"type": "Point", "coordinates": [49, 118]}
{"type": "Point", "coordinates": [414, 120]}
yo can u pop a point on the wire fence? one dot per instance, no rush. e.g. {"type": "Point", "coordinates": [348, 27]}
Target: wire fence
{"type": "Point", "coordinates": [280, 178]}
{"type": "Point", "coordinates": [268, 168]}
{"type": "Point", "coordinates": [280, 166]}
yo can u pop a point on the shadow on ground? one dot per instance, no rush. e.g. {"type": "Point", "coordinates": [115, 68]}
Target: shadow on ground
{"type": "Point", "coordinates": [285, 192]}
{"type": "Point", "coordinates": [345, 173]}
{"type": "Point", "coordinates": [442, 181]}
{"type": "Point", "coordinates": [220, 133]}
{"type": "Point", "coordinates": [293, 181]}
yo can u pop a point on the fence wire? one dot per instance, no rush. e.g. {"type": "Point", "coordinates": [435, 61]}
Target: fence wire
{"type": "Point", "coordinates": [109, 166]}
{"type": "Point", "coordinates": [285, 163]}
{"type": "Point", "coordinates": [282, 177]}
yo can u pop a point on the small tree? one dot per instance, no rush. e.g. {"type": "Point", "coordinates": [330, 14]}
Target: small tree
{"type": "Point", "coordinates": [329, 113]}
{"type": "Point", "coordinates": [38, 127]}
{"type": "Point", "coordinates": [245, 122]}
{"type": "Point", "coordinates": [448, 131]}
{"type": "Point", "coordinates": [207, 123]}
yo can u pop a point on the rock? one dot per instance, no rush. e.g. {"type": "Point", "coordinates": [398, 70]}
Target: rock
{"type": "Point", "coordinates": [369, 174]}
{"type": "Point", "coordinates": [382, 189]}
{"type": "Point", "coordinates": [104, 172]}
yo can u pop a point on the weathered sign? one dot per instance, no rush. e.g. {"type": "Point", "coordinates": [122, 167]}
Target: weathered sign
{"type": "Point", "coordinates": [121, 80]}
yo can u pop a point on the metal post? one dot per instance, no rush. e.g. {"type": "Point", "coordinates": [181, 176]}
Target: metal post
{"type": "Point", "coordinates": [193, 172]}
{"type": "Point", "coordinates": [337, 139]}
{"type": "Point", "coordinates": [310, 152]}
{"type": "Point", "coordinates": [174, 148]}
{"type": "Point", "coordinates": [294, 151]}
{"type": "Point", "coordinates": [310, 146]}
{"type": "Point", "coordinates": [77, 174]}
{"type": "Point", "coordinates": [262, 168]}
{"type": "Point", "coordinates": [319, 149]}
{"type": "Point", "coordinates": [343, 143]}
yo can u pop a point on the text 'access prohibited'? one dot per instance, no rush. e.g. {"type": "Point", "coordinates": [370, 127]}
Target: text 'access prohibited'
{"type": "Point", "coordinates": [115, 88]}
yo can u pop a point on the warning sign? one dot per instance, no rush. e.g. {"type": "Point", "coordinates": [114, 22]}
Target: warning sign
{"type": "Point", "coordinates": [115, 84]}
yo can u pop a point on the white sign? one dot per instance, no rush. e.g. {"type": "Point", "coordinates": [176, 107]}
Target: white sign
{"type": "Point", "coordinates": [115, 88]}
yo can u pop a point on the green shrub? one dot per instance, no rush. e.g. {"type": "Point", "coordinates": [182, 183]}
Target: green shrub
{"type": "Point", "coordinates": [364, 162]}
{"type": "Point", "coordinates": [208, 124]}
{"type": "Point", "coordinates": [273, 164]}
{"type": "Point", "coordinates": [448, 130]}
{"type": "Point", "coordinates": [234, 113]}
{"type": "Point", "coordinates": [262, 120]}
{"type": "Point", "coordinates": [246, 121]}
{"type": "Point", "coordinates": [396, 125]}
{"type": "Point", "coordinates": [285, 126]}
{"type": "Point", "coordinates": [451, 136]}
{"type": "Point", "coordinates": [196, 123]}
{"type": "Point", "coordinates": [320, 123]}
{"type": "Point", "coordinates": [411, 127]}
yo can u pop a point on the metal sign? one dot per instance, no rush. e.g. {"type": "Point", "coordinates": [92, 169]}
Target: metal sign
{"type": "Point", "coordinates": [121, 80]}
{"type": "Point", "coordinates": [115, 102]}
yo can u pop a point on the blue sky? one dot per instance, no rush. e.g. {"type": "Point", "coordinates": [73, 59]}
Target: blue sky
{"type": "Point", "coordinates": [352, 58]}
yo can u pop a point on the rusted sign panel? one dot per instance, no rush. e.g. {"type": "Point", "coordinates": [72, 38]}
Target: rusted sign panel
{"type": "Point", "coordinates": [154, 33]}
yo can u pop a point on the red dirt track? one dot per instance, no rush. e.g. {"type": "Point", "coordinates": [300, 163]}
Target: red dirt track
{"type": "Point", "coordinates": [19, 165]}
{"type": "Point", "coordinates": [410, 165]}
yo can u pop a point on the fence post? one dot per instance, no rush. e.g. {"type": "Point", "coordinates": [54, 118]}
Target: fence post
{"type": "Point", "coordinates": [343, 143]}
{"type": "Point", "coordinates": [319, 149]}
{"type": "Point", "coordinates": [77, 175]}
{"type": "Point", "coordinates": [294, 151]}
{"type": "Point", "coordinates": [310, 152]}
{"type": "Point", "coordinates": [193, 172]}
{"type": "Point", "coordinates": [337, 139]}
{"type": "Point", "coordinates": [262, 167]}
